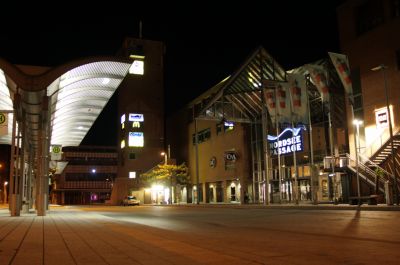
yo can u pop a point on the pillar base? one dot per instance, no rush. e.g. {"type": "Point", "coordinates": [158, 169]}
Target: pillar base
{"type": "Point", "coordinates": [14, 205]}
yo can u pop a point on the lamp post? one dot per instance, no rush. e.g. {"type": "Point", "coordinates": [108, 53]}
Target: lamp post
{"type": "Point", "coordinates": [170, 176]}
{"type": "Point", "coordinates": [5, 191]}
{"type": "Point", "coordinates": [165, 158]}
{"type": "Point", "coordinates": [357, 123]}
{"type": "Point", "coordinates": [382, 68]}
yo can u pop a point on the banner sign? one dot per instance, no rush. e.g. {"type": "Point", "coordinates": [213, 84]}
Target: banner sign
{"type": "Point", "coordinates": [341, 64]}
{"type": "Point", "coordinates": [287, 142]}
{"type": "Point", "coordinates": [319, 76]}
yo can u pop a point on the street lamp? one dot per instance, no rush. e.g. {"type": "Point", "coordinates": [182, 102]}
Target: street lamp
{"type": "Point", "coordinates": [382, 68]}
{"type": "Point", "coordinates": [357, 123]}
{"type": "Point", "coordinates": [170, 176]}
{"type": "Point", "coordinates": [165, 157]}
{"type": "Point", "coordinates": [5, 191]}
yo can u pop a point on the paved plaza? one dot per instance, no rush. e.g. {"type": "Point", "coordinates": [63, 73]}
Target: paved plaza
{"type": "Point", "coordinates": [201, 235]}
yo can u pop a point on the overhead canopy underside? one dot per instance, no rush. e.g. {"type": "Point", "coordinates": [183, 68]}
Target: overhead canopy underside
{"type": "Point", "coordinates": [76, 99]}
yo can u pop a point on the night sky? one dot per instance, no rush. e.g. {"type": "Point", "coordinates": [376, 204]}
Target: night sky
{"type": "Point", "coordinates": [205, 40]}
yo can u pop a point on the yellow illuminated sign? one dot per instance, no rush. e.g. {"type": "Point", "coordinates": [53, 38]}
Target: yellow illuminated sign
{"type": "Point", "coordinates": [136, 124]}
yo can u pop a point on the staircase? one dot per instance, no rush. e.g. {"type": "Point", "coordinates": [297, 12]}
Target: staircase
{"type": "Point", "coordinates": [366, 172]}
{"type": "Point", "coordinates": [383, 153]}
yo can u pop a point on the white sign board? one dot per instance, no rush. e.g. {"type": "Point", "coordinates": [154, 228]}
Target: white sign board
{"type": "Point", "coordinates": [382, 118]}
{"type": "Point", "coordinates": [3, 123]}
{"type": "Point", "coordinates": [136, 117]}
{"type": "Point", "coordinates": [56, 152]}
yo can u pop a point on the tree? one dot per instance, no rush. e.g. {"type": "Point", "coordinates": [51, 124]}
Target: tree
{"type": "Point", "coordinates": [177, 174]}
{"type": "Point", "coordinates": [379, 175]}
{"type": "Point", "coordinates": [168, 175]}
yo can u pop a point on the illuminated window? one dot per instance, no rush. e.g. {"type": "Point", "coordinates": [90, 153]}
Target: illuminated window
{"type": "Point", "coordinates": [132, 174]}
{"type": "Point", "coordinates": [136, 139]}
{"type": "Point", "coordinates": [122, 144]}
{"type": "Point", "coordinates": [137, 67]}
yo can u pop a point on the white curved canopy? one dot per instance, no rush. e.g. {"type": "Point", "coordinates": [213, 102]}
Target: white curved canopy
{"type": "Point", "coordinates": [5, 105]}
{"type": "Point", "coordinates": [79, 96]}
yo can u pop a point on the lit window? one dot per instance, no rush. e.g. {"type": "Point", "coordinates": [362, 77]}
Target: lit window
{"type": "Point", "coordinates": [137, 67]}
{"type": "Point", "coordinates": [122, 144]}
{"type": "Point", "coordinates": [132, 174]}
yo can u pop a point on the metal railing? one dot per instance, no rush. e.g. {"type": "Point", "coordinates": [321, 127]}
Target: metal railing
{"type": "Point", "coordinates": [371, 164]}
{"type": "Point", "coordinates": [381, 139]}
{"type": "Point", "coordinates": [367, 173]}
{"type": "Point", "coordinates": [336, 161]}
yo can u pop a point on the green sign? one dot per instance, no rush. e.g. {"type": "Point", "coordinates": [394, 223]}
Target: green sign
{"type": "Point", "coordinates": [56, 149]}
{"type": "Point", "coordinates": [2, 118]}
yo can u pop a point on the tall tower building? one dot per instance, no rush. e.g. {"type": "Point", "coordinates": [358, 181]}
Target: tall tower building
{"type": "Point", "coordinates": [141, 112]}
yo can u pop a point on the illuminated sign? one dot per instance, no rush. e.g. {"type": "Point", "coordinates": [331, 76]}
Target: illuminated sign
{"type": "Point", "coordinates": [228, 126]}
{"type": "Point", "coordinates": [136, 139]}
{"type": "Point", "coordinates": [136, 117]}
{"type": "Point", "coordinates": [230, 158]}
{"type": "Point", "coordinates": [382, 118]}
{"type": "Point", "coordinates": [288, 141]}
{"type": "Point", "coordinates": [137, 67]}
{"type": "Point", "coordinates": [136, 124]}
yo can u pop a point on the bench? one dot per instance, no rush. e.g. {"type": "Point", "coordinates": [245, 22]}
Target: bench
{"type": "Point", "coordinates": [371, 199]}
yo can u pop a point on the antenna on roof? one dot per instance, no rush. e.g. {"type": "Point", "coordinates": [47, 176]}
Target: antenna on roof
{"type": "Point", "coordinates": [140, 29]}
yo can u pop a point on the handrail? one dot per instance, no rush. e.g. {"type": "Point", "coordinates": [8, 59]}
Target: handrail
{"type": "Point", "coordinates": [375, 165]}
{"type": "Point", "coordinates": [374, 145]}
{"type": "Point", "coordinates": [365, 168]}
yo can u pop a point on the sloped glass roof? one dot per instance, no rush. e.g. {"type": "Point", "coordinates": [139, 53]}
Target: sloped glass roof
{"type": "Point", "coordinates": [243, 88]}
{"type": "Point", "coordinates": [79, 96]}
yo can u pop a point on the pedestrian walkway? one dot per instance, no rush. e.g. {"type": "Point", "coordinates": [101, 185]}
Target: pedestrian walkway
{"type": "Point", "coordinates": [300, 206]}
{"type": "Point", "coordinates": [67, 236]}
{"type": "Point", "coordinates": [76, 235]}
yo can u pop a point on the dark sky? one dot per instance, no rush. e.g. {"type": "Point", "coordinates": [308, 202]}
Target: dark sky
{"type": "Point", "coordinates": [205, 40]}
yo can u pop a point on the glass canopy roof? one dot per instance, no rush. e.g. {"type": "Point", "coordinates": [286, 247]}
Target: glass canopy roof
{"type": "Point", "coordinates": [76, 99]}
